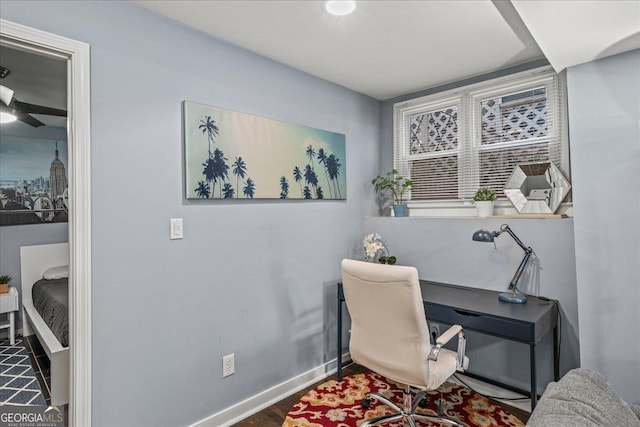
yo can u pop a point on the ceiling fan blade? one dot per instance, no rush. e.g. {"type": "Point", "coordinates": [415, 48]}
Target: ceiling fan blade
{"type": "Point", "coordinates": [30, 120]}
{"type": "Point", "coordinates": [37, 109]}
{"type": "Point", "coordinates": [23, 117]}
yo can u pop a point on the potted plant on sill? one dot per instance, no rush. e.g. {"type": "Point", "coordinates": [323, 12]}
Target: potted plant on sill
{"type": "Point", "coordinates": [4, 283]}
{"type": "Point", "coordinates": [484, 199]}
{"type": "Point", "coordinates": [398, 186]}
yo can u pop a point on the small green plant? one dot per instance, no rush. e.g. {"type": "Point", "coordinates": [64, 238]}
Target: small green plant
{"type": "Point", "coordinates": [5, 279]}
{"type": "Point", "coordinates": [387, 260]}
{"type": "Point", "coordinates": [393, 182]}
{"type": "Point", "coordinates": [485, 194]}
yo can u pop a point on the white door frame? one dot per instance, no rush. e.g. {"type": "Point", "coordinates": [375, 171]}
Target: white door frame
{"type": "Point", "coordinates": [78, 129]}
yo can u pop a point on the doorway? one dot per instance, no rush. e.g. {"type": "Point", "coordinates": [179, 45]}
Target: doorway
{"type": "Point", "coordinates": [76, 55]}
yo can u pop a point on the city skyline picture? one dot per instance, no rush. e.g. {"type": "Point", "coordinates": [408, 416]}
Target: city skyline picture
{"type": "Point", "coordinates": [33, 180]}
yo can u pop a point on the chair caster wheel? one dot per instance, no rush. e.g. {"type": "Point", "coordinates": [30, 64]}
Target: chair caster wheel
{"type": "Point", "coordinates": [424, 402]}
{"type": "Point", "coordinates": [365, 403]}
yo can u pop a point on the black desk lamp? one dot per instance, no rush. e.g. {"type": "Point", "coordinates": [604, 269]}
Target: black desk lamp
{"type": "Point", "coordinates": [489, 236]}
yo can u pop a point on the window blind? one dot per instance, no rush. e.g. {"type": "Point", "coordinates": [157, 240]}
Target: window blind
{"type": "Point", "coordinates": [452, 143]}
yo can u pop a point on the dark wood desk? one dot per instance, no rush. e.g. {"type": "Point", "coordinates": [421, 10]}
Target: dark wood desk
{"type": "Point", "coordinates": [480, 310]}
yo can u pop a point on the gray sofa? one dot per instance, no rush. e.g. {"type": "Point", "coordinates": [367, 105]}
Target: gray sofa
{"type": "Point", "coordinates": [583, 398]}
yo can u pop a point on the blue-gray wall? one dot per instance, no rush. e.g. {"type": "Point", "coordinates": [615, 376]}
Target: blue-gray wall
{"type": "Point", "coordinates": [251, 278]}
{"type": "Point", "coordinates": [604, 120]}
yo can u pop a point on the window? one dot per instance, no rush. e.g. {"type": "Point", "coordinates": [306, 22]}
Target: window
{"type": "Point", "coordinates": [454, 142]}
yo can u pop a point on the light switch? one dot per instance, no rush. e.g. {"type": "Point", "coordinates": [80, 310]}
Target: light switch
{"type": "Point", "coordinates": [176, 228]}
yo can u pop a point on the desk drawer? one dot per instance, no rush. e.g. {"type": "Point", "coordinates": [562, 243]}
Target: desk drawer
{"type": "Point", "coordinates": [487, 324]}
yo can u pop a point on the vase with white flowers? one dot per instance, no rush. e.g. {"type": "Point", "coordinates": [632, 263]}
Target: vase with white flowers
{"type": "Point", "coordinates": [376, 251]}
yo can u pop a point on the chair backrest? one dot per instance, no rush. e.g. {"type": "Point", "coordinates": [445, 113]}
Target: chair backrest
{"type": "Point", "coordinates": [389, 332]}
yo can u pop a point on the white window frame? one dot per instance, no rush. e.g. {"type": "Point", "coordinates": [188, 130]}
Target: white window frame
{"type": "Point", "coordinates": [467, 99]}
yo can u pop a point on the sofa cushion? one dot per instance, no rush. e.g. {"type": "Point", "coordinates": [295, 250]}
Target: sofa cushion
{"type": "Point", "coordinates": [582, 398]}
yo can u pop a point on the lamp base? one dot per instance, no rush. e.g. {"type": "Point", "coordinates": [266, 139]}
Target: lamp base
{"type": "Point", "coordinates": [512, 298]}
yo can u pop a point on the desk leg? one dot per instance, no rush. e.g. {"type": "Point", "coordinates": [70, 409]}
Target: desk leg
{"type": "Point", "coordinates": [12, 328]}
{"type": "Point", "coordinates": [339, 346]}
{"type": "Point", "coordinates": [556, 359]}
{"type": "Point", "coordinates": [534, 387]}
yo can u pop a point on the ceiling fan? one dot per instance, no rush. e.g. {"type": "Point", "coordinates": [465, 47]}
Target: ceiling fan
{"type": "Point", "coordinates": [12, 109]}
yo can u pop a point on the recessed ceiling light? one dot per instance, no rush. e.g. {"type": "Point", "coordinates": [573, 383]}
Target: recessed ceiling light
{"type": "Point", "coordinates": [340, 7]}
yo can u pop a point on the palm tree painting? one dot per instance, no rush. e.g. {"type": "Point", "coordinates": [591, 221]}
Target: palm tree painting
{"type": "Point", "coordinates": [239, 170]}
{"type": "Point", "coordinates": [322, 159]}
{"type": "Point", "coordinates": [228, 191]}
{"type": "Point", "coordinates": [311, 154]}
{"type": "Point", "coordinates": [203, 190]}
{"type": "Point", "coordinates": [209, 127]}
{"type": "Point", "coordinates": [209, 174]}
{"type": "Point", "coordinates": [307, 192]}
{"type": "Point", "coordinates": [284, 187]}
{"type": "Point", "coordinates": [310, 177]}
{"type": "Point", "coordinates": [333, 169]}
{"type": "Point", "coordinates": [249, 188]}
{"type": "Point", "coordinates": [233, 155]}
{"type": "Point", "coordinates": [220, 168]}
{"type": "Point", "coordinates": [297, 175]}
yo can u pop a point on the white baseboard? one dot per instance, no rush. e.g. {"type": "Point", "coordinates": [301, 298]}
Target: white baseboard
{"type": "Point", "coordinates": [266, 398]}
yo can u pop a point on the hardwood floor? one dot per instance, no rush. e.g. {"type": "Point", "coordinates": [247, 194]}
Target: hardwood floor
{"type": "Point", "coordinates": [274, 415]}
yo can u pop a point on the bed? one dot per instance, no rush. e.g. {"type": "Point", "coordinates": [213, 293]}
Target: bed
{"type": "Point", "coordinates": [34, 261]}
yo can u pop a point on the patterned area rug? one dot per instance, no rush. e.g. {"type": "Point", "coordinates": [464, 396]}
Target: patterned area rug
{"type": "Point", "coordinates": [18, 382]}
{"type": "Point", "coordinates": [337, 404]}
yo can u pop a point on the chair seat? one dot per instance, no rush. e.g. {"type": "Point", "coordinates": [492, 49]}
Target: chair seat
{"type": "Point", "coordinates": [440, 370]}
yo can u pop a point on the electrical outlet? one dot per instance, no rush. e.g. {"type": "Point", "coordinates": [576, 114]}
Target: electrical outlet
{"type": "Point", "coordinates": [434, 331]}
{"type": "Point", "coordinates": [228, 365]}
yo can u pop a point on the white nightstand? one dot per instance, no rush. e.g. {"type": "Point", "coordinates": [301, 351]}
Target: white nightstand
{"type": "Point", "coordinates": [9, 304]}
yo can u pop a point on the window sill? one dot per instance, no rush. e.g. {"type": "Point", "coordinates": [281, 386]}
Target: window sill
{"type": "Point", "coordinates": [502, 209]}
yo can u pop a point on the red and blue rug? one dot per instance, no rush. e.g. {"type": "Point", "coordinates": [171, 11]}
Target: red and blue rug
{"type": "Point", "coordinates": [337, 404]}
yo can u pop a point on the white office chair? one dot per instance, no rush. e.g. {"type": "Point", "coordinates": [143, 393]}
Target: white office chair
{"type": "Point", "coordinates": [390, 336]}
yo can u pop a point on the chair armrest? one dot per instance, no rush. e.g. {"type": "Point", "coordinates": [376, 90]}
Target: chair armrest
{"type": "Point", "coordinates": [445, 338]}
{"type": "Point", "coordinates": [449, 333]}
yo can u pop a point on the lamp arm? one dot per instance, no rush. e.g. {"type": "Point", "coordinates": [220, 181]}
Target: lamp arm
{"type": "Point", "coordinates": [505, 227]}
{"type": "Point", "coordinates": [527, 254]}
{"type": "Point", "coordinates": [520, 269]}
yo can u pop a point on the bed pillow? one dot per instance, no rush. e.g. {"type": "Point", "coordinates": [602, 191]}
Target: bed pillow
{"type": "Point", "coordinates": [59, 272]}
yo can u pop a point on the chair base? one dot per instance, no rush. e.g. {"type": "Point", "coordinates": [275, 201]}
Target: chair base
{"type": "Point", "coordinates": [407, 412]}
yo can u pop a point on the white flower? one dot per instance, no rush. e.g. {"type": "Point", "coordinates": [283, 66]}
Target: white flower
{"type": "Point", "coordinates": [372, 244]}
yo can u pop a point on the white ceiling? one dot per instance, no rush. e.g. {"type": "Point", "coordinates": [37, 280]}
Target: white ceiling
{"type": "Point", "coordinates": [388, 48]}
{"type": "Point", "coordinates": [36, 79]}
{"type": "Point", "coordinates": [383, 49]}
{"type": "Point", "coordinates": [573, 32]}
